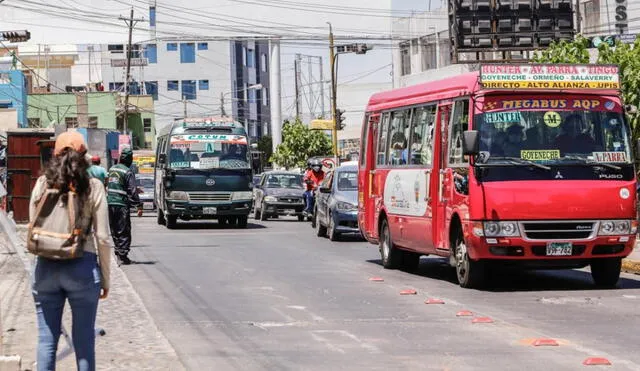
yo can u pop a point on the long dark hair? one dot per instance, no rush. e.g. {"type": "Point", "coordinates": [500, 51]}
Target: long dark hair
{"type": "Point", "coordinates": [68, 171]}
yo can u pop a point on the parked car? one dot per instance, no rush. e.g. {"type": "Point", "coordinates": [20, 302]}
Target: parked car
{"type": "Point", "coordinates": [279, 193]}
{"type": "Point", "coordinates": [145, 191]}
{"type": "Point", "coordinates": [336, 208]}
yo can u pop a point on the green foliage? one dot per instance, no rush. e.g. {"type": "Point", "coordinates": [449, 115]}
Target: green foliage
{"type": "Point", "coordinates": [299, 143]}
{"type": "Point", "coordinates": [265, 146]}
{"type": "Point", "coordinates": [626, 56]}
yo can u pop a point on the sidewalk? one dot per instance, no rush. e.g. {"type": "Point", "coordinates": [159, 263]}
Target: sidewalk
{"type": "Point", "coordinates": [632, 263]}
{"type": "Point", "coordinates": [132, 340]}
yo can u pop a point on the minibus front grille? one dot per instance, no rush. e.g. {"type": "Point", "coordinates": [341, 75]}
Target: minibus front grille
{"type": "Point", "coordinates": [558, 230]}
{"type": "Point", "coordinates": [209, 196]}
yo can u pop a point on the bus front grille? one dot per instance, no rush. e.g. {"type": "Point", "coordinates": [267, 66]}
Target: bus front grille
{"type": "Point", "coordinates": [209, 196]}
{"type": "Point", "coordinates": [559, 230]}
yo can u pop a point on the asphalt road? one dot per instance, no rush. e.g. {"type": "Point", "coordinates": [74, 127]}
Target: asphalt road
{"type": "Point", "coordinates": [276, 297]}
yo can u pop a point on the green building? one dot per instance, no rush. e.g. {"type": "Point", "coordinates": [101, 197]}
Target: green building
{"type": "Point", "coordinates": [101, 110]}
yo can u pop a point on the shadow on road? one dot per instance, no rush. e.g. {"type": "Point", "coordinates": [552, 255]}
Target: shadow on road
{"type": "Point", "coordinates": [511, 280]}
{"type": "Point", "coordinates": [215, 225]}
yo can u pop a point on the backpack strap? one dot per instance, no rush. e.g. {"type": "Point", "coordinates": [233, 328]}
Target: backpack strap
{"type": "Point", "coordinates": [71, 206]}
{"type": "Point", "coordinates": [40, 204]}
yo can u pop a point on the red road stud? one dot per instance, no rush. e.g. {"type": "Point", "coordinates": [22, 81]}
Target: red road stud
{"type": "Point", "coordinates": [434, 301]}
{"type": "Point", "coordinates": [545, 343]}
{"type": "Point", "coordinates": [464, 313]}
{"type": "Point", "coordinates": [408, 292]}
{"type": "Point", "coordinates": [376, 279]}
{"type": "Point", "coordinates": [482, 320]}
{"type": "Point", "coordinates": [596, 361]}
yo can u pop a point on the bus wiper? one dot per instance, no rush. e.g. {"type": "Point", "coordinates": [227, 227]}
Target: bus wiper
{"type": "Point", "coordinates": [592, 162]}
{"type": "Point", "coordinates": [521, 161]}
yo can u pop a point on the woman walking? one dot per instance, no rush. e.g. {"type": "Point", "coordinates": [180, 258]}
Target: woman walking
{"type": "Point", "coordinates": [80, 280]}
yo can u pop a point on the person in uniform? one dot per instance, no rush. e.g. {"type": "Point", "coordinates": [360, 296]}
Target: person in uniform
{"type": "Point", "coordinates": [122, 194]}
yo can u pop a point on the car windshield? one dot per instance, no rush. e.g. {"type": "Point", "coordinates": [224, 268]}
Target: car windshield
{"type": "Point", "coordinates": [283, 181]}
{"type": "Point", "coordinates": [553, 130]}
{"type": "Point", "coordinates": [347, 181]}
{"type": "Point", "coordinates": [145, 182]}
{"type": "Point", "coordinates": [209, 151]}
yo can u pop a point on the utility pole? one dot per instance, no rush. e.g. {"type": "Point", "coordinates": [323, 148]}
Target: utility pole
{"type": "Point", "coordinates": [321, 87]}
{"type": "Point", "coordinates": [130, 22]}
{"type": "Point", "coordinates": [334, 129]}
{"type": "Point", "coordinates": [184, 101]}
{"type": "Point", "coordinates": [276, 103]}
{"type": "Point", "coordinates": [222, 111]}
{"type": "Point", "coordinates": [578, 17]}
{"type": "Point", "coordinates": [296, 67]}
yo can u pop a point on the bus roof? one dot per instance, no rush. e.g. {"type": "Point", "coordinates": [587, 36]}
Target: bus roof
{"type": "Point", "coordinates": [458, 86]}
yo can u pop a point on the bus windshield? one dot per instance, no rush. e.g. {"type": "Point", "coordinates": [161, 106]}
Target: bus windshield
{"type": "Point", "coordinates": [553, 131]}
{"type": "Point", "coordinates": [209, 151]}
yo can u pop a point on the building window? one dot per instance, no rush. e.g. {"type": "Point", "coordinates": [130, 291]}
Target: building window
{"type": "Point", "coordinates": [265, 96]}
{"type": "Point", "coordinates": [172, 47]}
{"type": "Point", "coordinates": [115, 48]}
{"type": "Point", "coordinates": [151, 53]}
{"type": "Point", "coordinates": [93, 122]}
{"type": "Point", "coordinates": [34, 123]}
{"type": "Point", "coordinates": [414, 46]}
{"type": "Point", "coordinates": [152, 16]}
{"type": "Point", "coordinates": [189, 89]}
{"type": "Point", "coordinates": [251, 58]}
{"type": "Point", "coordinates": [147, 125]}
{"type": "Point", "coordinates": [203, 85]}
{"type": "Point", "coordinates": [71, 122]}
{"type": "Point", "coordinates": [187, 53]}
{"type": "Point", "coordinates": [203, 46]}
{"type": "Point", "coordinates": [172, 85]}
{"type": "Point", "coordinates": [405, 59]}
{"type": "Point", "coordinates": [263, 62]}
{"type": "Point", "coordinates": [252, 96]}
{"type": "Point", "coordinates": [244, 56]}
{"type": "Point", "coordinates": [151, 88]}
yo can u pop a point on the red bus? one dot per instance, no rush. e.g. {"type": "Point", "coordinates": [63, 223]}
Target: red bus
{"type": "Point", "coordinates": [526, 165]}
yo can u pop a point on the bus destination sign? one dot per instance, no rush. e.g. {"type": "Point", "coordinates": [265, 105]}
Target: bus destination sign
{"type": "Point", "coordinates": [549, 76]}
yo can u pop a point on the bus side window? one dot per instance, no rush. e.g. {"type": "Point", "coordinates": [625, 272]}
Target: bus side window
{"type": "Point", "coordinates": [422, 135]}
{"type": "Point", "coordinates": [382, 140]}
{"type": "Point", "coordinates": [459, 124]}
{"type": "Point", "coordinates": [398, 137]}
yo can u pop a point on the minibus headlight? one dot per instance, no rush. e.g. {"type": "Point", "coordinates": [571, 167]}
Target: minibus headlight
{"type": "Point", "coordinates": [614, 227]}
{"type": "Point", "coordinates": [246, 195]}
{"type": "Point", "coordinates": [501, 229]}
{"type": "Point", "coordinates": [178, 196]}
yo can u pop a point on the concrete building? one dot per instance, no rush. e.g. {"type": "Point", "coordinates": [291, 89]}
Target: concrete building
{"type": "Point", "coordinates": [600, 17]}
{"type": "Point", "coordinates": [13, 100]}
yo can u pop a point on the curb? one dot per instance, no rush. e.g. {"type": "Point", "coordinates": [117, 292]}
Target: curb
{"type": "Point", "coordinates": [10, 363]}
{"type": "Point", "coordinates": [631, 266]}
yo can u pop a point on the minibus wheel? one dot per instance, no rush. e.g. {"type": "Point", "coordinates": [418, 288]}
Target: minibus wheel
{"type": "Point", "coordinates": [606, 272]}
{"type": "Point", "coordinates": [470, 273]}
{"type": "Point", "coordinates": [391, 256]}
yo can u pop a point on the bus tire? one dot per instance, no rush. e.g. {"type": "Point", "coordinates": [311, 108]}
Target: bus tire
{"type": "Point", "coordinates": [243, 221]}
{"type": "Point", "coordinates": [606, 272]}
{"type": "Point", "coordinates": [470, 273]}
{"type": "Point", "coordinates": [171, 221]}
{"type": "Point", "coordinates": [410, 261]}
{"type": "Point", "coordinates": [160, 217]}
{"type": "Point", "coordinates": [390, 255]}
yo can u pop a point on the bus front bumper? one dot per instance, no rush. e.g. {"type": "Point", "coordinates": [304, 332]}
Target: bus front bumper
{"type": "Point", "coordinates": [209, 210]}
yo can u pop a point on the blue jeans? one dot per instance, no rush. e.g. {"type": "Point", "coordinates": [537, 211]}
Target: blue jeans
{"type": "Point", "coordinates": [54, 282]}
{"type": "Point", "coordinates": [308, 201]}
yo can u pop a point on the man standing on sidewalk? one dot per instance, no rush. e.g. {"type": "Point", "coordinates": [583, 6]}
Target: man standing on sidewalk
{"type": "Point", "coordinates": [97, 171]}
{"type": "Point", "coordinates": [122, 194]}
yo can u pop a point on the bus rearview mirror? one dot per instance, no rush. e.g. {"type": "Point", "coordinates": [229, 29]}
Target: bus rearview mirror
{"type": "Point", "coordinates": [470, 143]}
{"type": "Point", "coordinates": [162, 158]}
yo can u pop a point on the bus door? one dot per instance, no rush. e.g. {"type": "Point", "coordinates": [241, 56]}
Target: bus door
{"type": "Point", "coordinates": [440, 178]}
{"type": "Point", "coordinates": [378, 172]}
{"type": "Point", "coordinates": [366, 195]}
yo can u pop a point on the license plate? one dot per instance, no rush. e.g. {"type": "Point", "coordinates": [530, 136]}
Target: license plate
{"type": "Point", "coordinates": [209, 210]}
{"type": "Point", "coordinates": [559, 249]}
{"type": "Point", "coordinates": [147, 206]}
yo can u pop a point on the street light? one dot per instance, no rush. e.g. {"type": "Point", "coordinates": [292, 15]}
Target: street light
{"type": "Point", "coordinates": [222, 95]}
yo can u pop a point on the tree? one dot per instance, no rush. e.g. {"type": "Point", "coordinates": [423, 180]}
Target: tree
{"type": "Point", "coordinates": [626, 56]}
{"type": "Point", "coordinates": [299, 143]}
{"type": "Point", "coordinates": [265, 146]}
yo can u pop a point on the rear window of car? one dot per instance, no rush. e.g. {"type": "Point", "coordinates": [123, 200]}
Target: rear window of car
{"type": "Point", "coordinates": [347, 181]}
{"type": "Point", "coordinates": [145, 182]}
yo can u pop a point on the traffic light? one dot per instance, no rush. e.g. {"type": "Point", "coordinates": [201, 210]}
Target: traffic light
{"type": "Point", "coordinates": [16, 36]}
{"type": "Point", "coordinates": [339, 119]}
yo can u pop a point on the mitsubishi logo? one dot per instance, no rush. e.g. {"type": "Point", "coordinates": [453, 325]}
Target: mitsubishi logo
{"type": "Point", "coordinates": [559, 176]}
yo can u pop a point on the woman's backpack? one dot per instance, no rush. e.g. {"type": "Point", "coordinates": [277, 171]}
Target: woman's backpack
{"type": "Point", "coordinates": [58, 229]}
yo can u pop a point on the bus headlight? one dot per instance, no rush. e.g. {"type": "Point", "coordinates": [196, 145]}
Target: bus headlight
{"type": "Point", "coordinates": [501, 229]}
{"type": "Point", "coordinates": [178, 196]}
{"type": "Point", "coordinates": [614, 227]}
{"type": "Point", "coordinates": [246, 195]}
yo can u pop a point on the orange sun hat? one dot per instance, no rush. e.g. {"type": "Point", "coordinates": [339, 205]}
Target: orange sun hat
{"type": "Point", "coordinates": [70, 139]}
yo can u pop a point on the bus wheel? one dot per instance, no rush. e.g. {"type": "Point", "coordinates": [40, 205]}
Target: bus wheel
{"type": "Point", "coordinates": [243, 221]}
{"type": "Point", "coordinates": [171, 221]}
{"type": "Point", "coordinates": [160, 218]}
{"type": "Point", "coordinates": [470, 273]}
{"type": "Point", "coordinates": [606, 272]}
{"type": "Point", "coordinates": [391, 256]}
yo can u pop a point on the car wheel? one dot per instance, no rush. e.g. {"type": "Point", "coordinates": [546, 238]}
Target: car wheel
{"type": "Point", "coordinates": [331, 230]}
{"type": "Point", "coordinates": [171, 221]}
{"type": "Point", "coordinates": [243, 221]}
{"type": "Point", "coordinates": [160, 217]}
{"type": "Point", "coordinates": [322, 230]}
{"type": "Point", "coordinates": [314, 220]}
{"type": "Point", "coordinates": [263, 212]}
{"type": "Point", "coordinates": [391, 256]}
{"type": "Point", "coordinates": [470, 273]}
{"type": "Point", "coordinates": [606, 272]}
